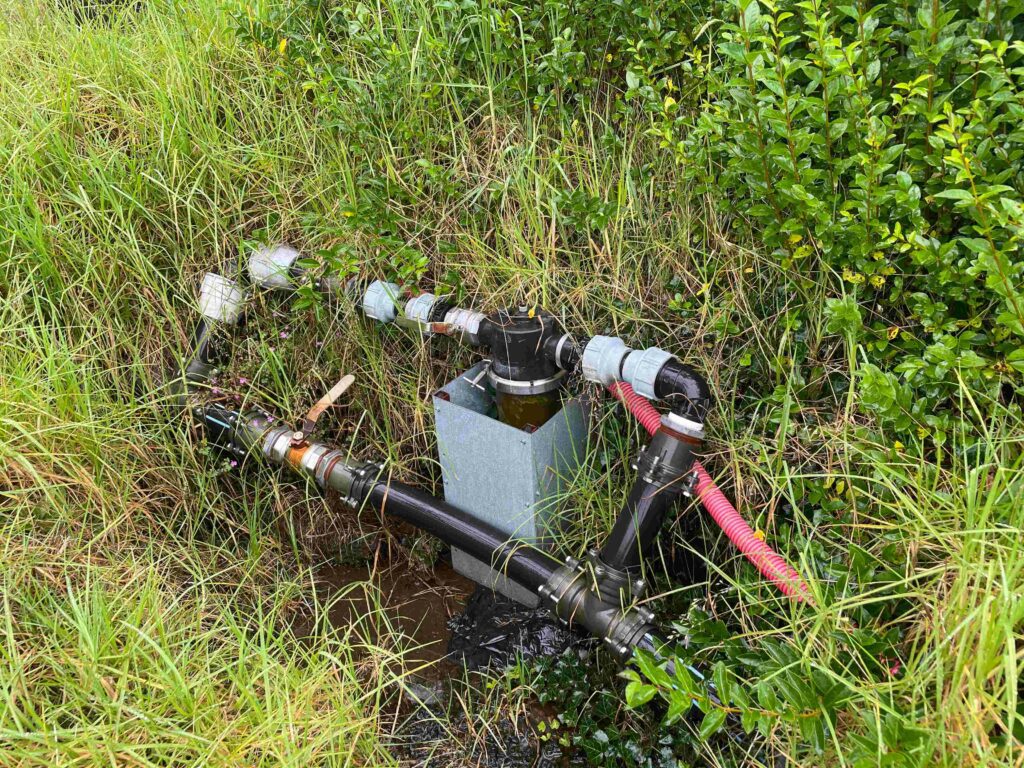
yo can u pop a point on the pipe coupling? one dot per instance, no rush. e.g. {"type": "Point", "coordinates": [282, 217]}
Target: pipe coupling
{"type": "Point", "coordinates": [419, 309]}
{"type": "Point", "coordinates": [602, 359]}
{"type": "Point", "coordinates": [270, 266]}
{"type": "Point", "coordinates": [640, 369]}
{"type": "Point", "coordinates": [380, 302]}
{"type": "Point", "coordinates": [465, 322]}
{"type": "Point", "coordinates": [221, 299]}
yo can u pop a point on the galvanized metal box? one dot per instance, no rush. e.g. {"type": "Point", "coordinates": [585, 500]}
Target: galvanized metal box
{"type": "Point", "coordinates": [508, 477]}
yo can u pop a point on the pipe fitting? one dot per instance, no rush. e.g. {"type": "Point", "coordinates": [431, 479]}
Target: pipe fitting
{"type": "Point", "coordinates": [380, 302]}
{"type": "Point", "coordinates": [640, 369]}
{"type": "Point", "coordinates": [270, 266]}
{"type": "Point", "coordinates": [465, 322]}
{"type": "Point", "coordinates": [568, 595]}
{"type": "Point", "coordinates": [602, 359]}
{"type": "Point", "coordinates": [419, 309]}
{"type": "Point", "coordinates": [221, 299]}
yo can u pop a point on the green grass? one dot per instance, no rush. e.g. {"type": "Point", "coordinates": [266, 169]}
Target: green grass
{"type": "Point", "coordinates": [146, 593]}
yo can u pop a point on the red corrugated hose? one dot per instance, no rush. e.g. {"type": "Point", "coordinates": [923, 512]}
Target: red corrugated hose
{"type": "Point", "coordinates": [768, 562]}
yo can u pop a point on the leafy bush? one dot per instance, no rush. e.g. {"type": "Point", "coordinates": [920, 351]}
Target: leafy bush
{"type": "Point", "coordinates": [879, 145]}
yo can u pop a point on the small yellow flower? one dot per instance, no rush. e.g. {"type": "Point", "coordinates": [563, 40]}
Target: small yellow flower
{"type": "Point", "coordinates": [877, 255]}
{"type": "Point", "coordinates": [852, 277]}
{"type": "Point", "coordinates": [282, 46]}
{"type": "Point", "coordinates": [669, 103]}
{"type": "Point", "coordinates": [898, 446]}
{"type": "Point", "coordinates": [877, 281]}
{"type": "Point", "coordinates": [759, 534]}
{"type": "Point", "coordinates": [893, 332]}
{"type": "Point", "coordinates": [922, 432]}
{"type": "Point", "coordinates": [607, 57]}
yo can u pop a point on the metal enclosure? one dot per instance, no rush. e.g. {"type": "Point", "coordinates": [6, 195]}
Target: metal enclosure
{"type": "Point", "coordinates": [508, 477]}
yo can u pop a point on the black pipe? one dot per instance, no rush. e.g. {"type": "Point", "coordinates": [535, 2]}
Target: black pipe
{"type": "Point", "coordinates": [519, 561]}
{"type": "Point", "coordinates": [637, 525]}
{"type": "Point", "coordinates": [685, 390]}
{"type": "Point", "coordinates": [663, 471]}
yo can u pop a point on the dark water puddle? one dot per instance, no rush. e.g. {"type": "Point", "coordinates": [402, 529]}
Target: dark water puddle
{"type": "Point", "coordinates": [454, 631]}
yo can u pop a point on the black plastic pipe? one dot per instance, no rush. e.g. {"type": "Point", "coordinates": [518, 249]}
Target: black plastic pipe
{"type": "Point", "coordinates": [685, 390]}
{"type": "Point", "coordinates": [517, 560]}
{"type": "Point", "coordinates": [637, 525]}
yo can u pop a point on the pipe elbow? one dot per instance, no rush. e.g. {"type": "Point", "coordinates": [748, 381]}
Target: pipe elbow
{"type": "Point", "coordinates": [686, 391]}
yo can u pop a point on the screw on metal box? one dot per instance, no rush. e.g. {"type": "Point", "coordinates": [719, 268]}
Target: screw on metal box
{"type": "Point", "coordinates": [508, 477]}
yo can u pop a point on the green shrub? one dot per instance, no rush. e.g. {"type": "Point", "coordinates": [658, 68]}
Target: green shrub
{"type": "Point", "coordinates": [877, 146]}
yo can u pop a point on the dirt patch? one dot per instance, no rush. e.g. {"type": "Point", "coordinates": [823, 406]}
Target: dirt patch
{"type": "Point", "coordinates": [377, 602]}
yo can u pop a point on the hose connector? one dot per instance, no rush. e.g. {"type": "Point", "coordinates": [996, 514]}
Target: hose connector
{"type": "Point", "coordinates": [380, 302]}
{"type": "Point", "coordinates": [270, 266]}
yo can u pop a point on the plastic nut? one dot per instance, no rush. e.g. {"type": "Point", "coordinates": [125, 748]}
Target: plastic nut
{"type": "Point", "coordinates": [270, 266]}
{"type": "Point", "coordinates": [640, 369]}
{"type": "Point", "coordinates": [380, 301]}
{"type": "Point", "coordinates": [602, 359]}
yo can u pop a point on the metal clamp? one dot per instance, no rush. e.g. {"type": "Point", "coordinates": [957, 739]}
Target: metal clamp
{"type": "Point", "coordinates": [307, 424]}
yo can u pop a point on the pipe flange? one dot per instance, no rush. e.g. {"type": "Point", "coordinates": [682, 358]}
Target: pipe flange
{"type": "Point", "coordinates": [512, 387]}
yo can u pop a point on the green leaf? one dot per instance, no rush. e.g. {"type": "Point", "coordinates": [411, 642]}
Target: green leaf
{"type": "Point", "coordinates": [638, 694]}
{"type": "Point", "coordinates": [954, 194]}
{"type": "Point", "coordinates": [711, 723]}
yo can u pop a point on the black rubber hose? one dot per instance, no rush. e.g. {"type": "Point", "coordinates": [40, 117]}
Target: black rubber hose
{"type": "Point", "coordinates": [517, 560]}
{"type": "Point", "coordinates": [637, 525]}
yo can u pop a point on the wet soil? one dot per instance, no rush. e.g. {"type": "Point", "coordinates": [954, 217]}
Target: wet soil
{"type": "Point", "coordinates": [417, 603]}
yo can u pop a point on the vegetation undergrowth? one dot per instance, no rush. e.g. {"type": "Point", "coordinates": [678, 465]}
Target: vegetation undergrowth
{"type": "Point", "coordinates": [817, 205]}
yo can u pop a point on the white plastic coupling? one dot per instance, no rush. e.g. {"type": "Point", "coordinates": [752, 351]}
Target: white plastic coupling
{"type": "Point", "coordinates": [465, 322]}
{"type": "Point", "coordinates": [380, 302]}
{"type": "Point", "coordinates": [641, 368]}
{"type": "Point", "coordinates": [417, 310]}
{"type": "Point", "coordinates": [602, 359]}
{"type": "Point", "coordinates": [221, 299]}
{"type": "Point", "coordinates": [270, 266]}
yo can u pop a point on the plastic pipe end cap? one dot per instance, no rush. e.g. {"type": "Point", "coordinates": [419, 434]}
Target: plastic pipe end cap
{"type": "Point", "coordinates": [602, 359]}
{"type": "Point", "coordinates": [380, 302]}
{"type": "Point", "coordinates": [641, 369]}
{"type": "Point", "coordinates": [270, 266]}
{"type": "Point", "coordinates": [221, 299]}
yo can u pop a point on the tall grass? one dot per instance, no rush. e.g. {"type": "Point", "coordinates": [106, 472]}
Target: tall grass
{"type": "Point", "coordinates": [144, 610]}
